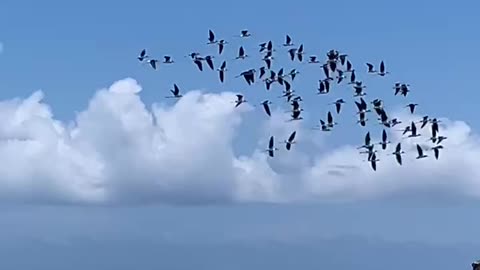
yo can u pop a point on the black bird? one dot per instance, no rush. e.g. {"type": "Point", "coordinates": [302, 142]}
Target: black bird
{"type": "Point", "coordinates": [263, 46]}
{"type": "Point", "coordinates": [424, 121]}
{"type": "Point", "coordinates": [209, 60]}
{"type": "Point", "coordinates": [338, 104]}
{"type": "Point", "coordinates": [412, 107]}
{"type": "Point", "coordinates": [245, 33]}
{"type": "Point", "coordinates": [211, 37]}
{"type": "Point", "coordinates": [413, 130]}
{"type": "Point", "coordinates": [373, 161]}
{"type": "Point", "coordinates": [313, 59]}
{"type": "Point", "coordinates": [330, 121]}
{"type": "Point", "coordinates": [367, 141]}
{"type": "Point", "coordinates": [290, 141]}
{"type": "Point", "coordinates": [241, 53]}
{"type": "Point", "coordinates": [288, 41]}
{"type": "Point", "coordinates": [398, 153]}
{"type": "Point", "coordinates": [292, 53]}
{"type": "Point", "coordinates": [358, 88]}
{"type": "Point", "coordinates": [193, 55]}
{"type": "Point", "coordinates": [271, 147]}
{"type": "Point", "coordinates": [266, 107]}
{"type": "Point", "coordinates": [167, 59]}
{"type": "Point", "coordinates": [296, 115]}
{"type": "Point", "coordinates": [420, 152]}
{"type": "Point", "coordinates": [239, 100]}
{"type": "Point", "coordinates": [293, 73]}
{"type": "Point", "coordinates": [262, 72]}
{"type": "Point", "coordinates": [175, 91]}
{"type": "Point", "coordinates": [153, 63]}
{"type": "Point", "coordinates": [371, 68]}
{"type": "Point", "coordinates": [300, 53]}
{"type": "Point", "coordinates": [221, 44]}
{"type": "Point", "coordinates": [249, 76]}
{"type": "Point", "coordinates": [332, 55]}
{"type": "Point", "coordinates": [404, 89]}
{"type": "Point", "coordinates": [323, 87]}
{"type": "Point", "coordinates": [362, 106]}
{"type": "Point", "coordinates": [397, 88]}
{"type": "Point", "coordinates": [323, 126]}
{"type": "Point", "coordinates": [221, 71]}
{"type": "Point", "coordinates": [270, 47]}
{"type": "Point", "coordinates": [395, 122]}
{"type": "Point", "coordinates": [382, 71]}
{"type": "Point", "coordinates": [143, 55]}
{"type": "Point", "coordinates": [385, 140]}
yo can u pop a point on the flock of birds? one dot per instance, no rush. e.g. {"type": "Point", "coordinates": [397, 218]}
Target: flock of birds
{"type": "Point", "coordinates": [337, 68]}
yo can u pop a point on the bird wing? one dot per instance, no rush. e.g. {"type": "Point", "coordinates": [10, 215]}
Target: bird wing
{"type": "Point", "coordinates": [199, 64]}
{"type": "Point", "coordinates": [384, 135]}
{"type": "Point", "coordinates": [292, 54]}
{"type": "Point", "coordinates": [211, 35]}
{"type": "Point", "coordinates": [292, 136]}
{"type": "Point", "coordinates": [399, 158]}
{"type": "Point", "coordinates": [338, 107]}
{"type": "Point", "coordinates": [267, 109]}
{"type": "Point", "coordinates": [210, 63]}
{"type": "Point", "coordinates": [382, 67]}
{"type": "Point", "coordinates": [241, 52]}
{"type": "Point", "coordinates": [222, 76]}
{"type": "Point", "coordinates": [363, 104]}
{"type": "Point", "coordinates": [419, 150]}
{"type": "Point", "coordinates": [399, 147]}
{"type": "Point", "coordinates": [367, 138]}
{"type": "Point", "coordinates": [270, 144]}
{"type": "Point", "coordinates": [288, 39]}
{"type": "Point", "coordinates": [326, 71]}
{"type": "Point", "coordinates": [220, 48]}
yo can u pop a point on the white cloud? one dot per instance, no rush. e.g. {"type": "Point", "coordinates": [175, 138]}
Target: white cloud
{"type": "Point", "coordinates": [119, 151]}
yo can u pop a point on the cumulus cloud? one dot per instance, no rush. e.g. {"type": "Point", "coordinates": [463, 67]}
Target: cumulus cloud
{"type": "Point", "coordinates": [119, 151]}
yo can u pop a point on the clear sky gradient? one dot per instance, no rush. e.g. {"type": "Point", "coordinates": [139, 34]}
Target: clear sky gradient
{"type": "Point", "coordinates": [71, 49]}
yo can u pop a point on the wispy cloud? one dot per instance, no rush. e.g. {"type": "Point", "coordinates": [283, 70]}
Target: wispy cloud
{"type": "Point", "coordinates": [119, 151]}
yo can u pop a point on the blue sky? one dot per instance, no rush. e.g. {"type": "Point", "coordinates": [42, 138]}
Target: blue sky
{"type": "Point", "coordinates": [72, 50]}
